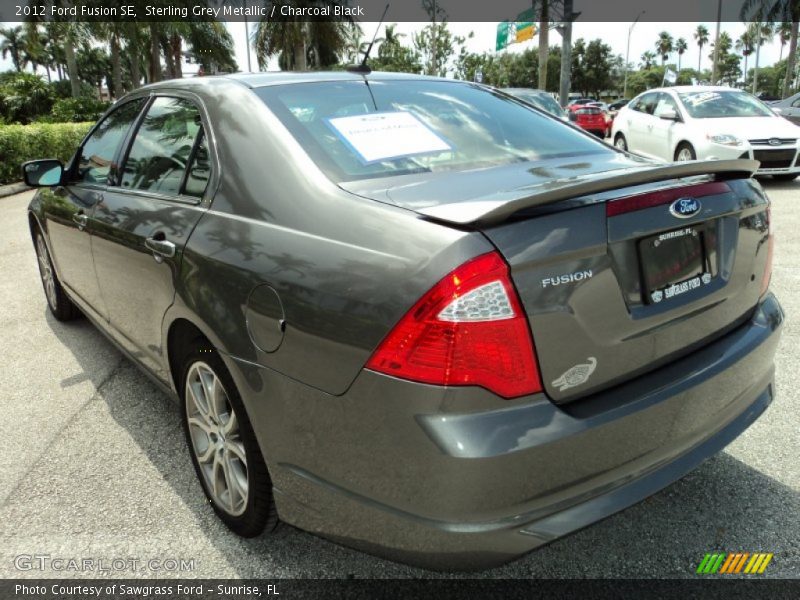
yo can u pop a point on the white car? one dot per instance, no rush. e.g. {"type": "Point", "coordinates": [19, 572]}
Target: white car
{"type": "Point", "coordinates": [708, 123]}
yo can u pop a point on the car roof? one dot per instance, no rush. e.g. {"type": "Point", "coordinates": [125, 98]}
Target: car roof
{"type": "Point", "coordinates": [257, 80]}
{"type": "Point", "coordinates": [695, 88]}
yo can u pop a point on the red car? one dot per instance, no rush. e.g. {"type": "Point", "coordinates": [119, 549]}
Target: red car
{"type": "Point", "coordinates": [590, 118]}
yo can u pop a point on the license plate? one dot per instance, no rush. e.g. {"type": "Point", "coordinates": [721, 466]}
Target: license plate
{"type": "Point", "coordinates": [673, 263]}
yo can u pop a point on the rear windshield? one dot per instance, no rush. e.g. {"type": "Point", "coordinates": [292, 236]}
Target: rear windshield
{"type": "Point", "coordinates": [720, 104]}
{"type": "Point", "coordinates": [354, 130]}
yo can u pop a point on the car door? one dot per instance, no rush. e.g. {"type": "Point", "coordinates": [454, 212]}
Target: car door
{"type": "Point", "coordinates": [145, 219]}
{"type": "Point", "coordinates": [634, 126]}
{"type": "Point", "coordinates": [658, 141]}
{"type": "Point", "coordinates": [642, 125]}
{"type": "Point", "coordinates": [68, 209]}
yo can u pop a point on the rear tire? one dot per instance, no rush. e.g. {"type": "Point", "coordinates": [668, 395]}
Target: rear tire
{"type": "Point", "coordinates": [785, 177]}
{"type": "Point", "coordinates": [58, 302]}
{"type": "Point", "coordinates": [620, 143]}
{"type": "Point", "coordinates": [685, 152]}
{"type": "Point", "coordinates": [223, 447]}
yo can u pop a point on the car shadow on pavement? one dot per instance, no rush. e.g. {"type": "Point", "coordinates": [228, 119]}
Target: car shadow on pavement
{"type": "Point", "coordinates": [725, 505]}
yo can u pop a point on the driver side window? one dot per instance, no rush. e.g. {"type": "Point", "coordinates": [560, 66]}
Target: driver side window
{"type": "Point", "coordinates": [162, 147]}
{"type": "Point", "coordinates": [96, 156]}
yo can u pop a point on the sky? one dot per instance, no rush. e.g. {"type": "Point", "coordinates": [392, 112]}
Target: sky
{"type": "Point", "coordinates": [643, 37]}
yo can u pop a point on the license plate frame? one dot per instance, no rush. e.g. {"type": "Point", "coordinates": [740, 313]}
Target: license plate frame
{"type": "Point", "coordinates": [674, 262]}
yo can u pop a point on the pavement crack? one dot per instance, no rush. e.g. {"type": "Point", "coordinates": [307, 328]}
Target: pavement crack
{"type": "Point", "coordinates": [95, 396]}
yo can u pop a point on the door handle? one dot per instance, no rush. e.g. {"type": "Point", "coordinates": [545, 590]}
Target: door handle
{"type": "Point", "coordinates": [160, 248]}
{"type": "Point", "coordinates": [80, 220]}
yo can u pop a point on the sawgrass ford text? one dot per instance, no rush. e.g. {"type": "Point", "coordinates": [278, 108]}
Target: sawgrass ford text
{"type": "Point", "coordinates": [56, 11]}
{"type": "Point", "coordinates": [100, 590]}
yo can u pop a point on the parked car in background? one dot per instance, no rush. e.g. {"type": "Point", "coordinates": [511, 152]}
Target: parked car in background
{"type": "Point", "coordinates": [698, 123]}
{"type": "Point", "coordinates": [538, 98]}
{"type": "Point", "coordinates": [615, 106]}
{"type": "Point", "coordinates": [412, 314]}
{"type": "Point", "coordinates": [788, 108]}
{"type": "Point", "coordinates": [589, 117]}
{"type": "Point", "coordinates": [606, 113]}
{"type": "Point", "coordinates": [581, 101]}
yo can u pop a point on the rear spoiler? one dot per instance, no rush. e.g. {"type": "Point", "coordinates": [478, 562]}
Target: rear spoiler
{"type": "Point", "coordinates": [496, 208]}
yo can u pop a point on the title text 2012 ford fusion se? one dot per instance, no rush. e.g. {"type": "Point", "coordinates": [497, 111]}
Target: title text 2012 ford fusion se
{"type": "Point", "coordinates": [414, 315]}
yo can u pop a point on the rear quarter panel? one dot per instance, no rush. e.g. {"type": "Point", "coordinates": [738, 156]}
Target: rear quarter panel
{"type": "Point", "coordinates": [344, 269]}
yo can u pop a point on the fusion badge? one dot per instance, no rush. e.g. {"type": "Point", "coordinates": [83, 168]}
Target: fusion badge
{"type": "Point", "coordinates": [567, 278]}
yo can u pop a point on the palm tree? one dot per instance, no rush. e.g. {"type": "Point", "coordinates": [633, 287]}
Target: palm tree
{"type": "Point", "coordinates": [15, 44]}
{"type": "Point", "coordinates": [701, 38]}
{"type": "Point", "coordinates": [745, 44]}
{"type": "Point", "coordinates": [296, 42]}
{"type": "Point", "coordinates": [648, 58]}
{"type": "Point", "coordinates": [680, 47]}
{"type": "Point", "coordinates": [784, 31]}
{"type": "Point", "coordinates": [777, 11]}
{"type": "Point", "coordinates": [762, 33]}
{"type": "Point", "coordinates": [664, 46]}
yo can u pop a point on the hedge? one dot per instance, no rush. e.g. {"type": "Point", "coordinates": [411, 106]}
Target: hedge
{"type": "Point", "coordinates": [19, 143]}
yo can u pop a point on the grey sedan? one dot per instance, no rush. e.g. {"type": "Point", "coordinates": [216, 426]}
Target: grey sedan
{"type": "Point", "coordinates": [410, 314]}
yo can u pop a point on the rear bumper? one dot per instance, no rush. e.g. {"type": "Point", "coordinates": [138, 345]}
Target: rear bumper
{"type": "Point", "coordinates": [375, 470]}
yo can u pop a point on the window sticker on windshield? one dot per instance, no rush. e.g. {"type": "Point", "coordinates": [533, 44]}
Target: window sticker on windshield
{"type": "Point", "coordinates": [697, 99]}
{"type": "Point", "coordinates": [384, 135]}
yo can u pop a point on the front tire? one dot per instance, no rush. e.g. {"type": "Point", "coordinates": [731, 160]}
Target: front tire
{"type": "Point", "coordinates": [223, 447]}
{"type": "Point", "coordinates": [620, 143]}
{"type": "Point", "coordinates": [685, 152]}
{"type": "Point", "coordinates": [59, 304]}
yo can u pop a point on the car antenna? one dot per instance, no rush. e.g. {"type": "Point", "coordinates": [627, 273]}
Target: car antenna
{"type": "Point", "coordinates": [363, 67]}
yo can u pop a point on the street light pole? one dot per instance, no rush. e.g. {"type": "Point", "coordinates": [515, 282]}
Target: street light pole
{"type": "Point", "coordinates": [628, 54]}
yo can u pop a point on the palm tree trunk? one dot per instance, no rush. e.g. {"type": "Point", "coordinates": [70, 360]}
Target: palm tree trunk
{"type": "Point", "coordinates": [699, 59]}
{"type": "Point", "coordinates": [116, 69]}
{"type": "Point", "coordinates": [72, 67]}
{"type": "Point", "coordinates": [176, 47]}
{"type": "Point", "coordinates": [168, 58]}
{"type": "Point", "coordinates": [679, 63]}
{"type": "Point", "coordinates": [47, 68]}
{"type": "Point", "coordinates": [299, 56]}
{"type": "Point", "coordinates": [544, 20]}
{"type": "Point", "coordinates": [155, 54]}
{"type": "Point", "coordinates": [790, 60]}
{"type": "Point", "coordinates": [755, 71]}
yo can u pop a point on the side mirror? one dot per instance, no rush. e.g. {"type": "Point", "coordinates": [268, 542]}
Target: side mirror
{"type": "Point", "coordinates": [669, 115]}
{"type": "Point", "coordinates": [43, 173]}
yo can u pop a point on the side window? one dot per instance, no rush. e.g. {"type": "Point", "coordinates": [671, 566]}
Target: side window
{"type": "Point", "coordinates": [162, 147]}
{"type": "Point", "coordinates": [97, 154]}
{"type": "Point", "coordinates": [648, 103]}
{"type": "Point", "coordinates": [637, 104]}
{"type": "Point", "coordinates": [796, 103]}
{"type": "Point", "coordinates": [665, 104]}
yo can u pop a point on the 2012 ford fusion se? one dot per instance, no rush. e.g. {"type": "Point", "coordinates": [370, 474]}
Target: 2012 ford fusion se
{"type": "Point", "coordinates": [414, 315]}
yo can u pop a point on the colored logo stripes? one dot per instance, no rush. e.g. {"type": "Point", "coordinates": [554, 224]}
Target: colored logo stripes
{"type": "Point", "coordinates": [734, 562]}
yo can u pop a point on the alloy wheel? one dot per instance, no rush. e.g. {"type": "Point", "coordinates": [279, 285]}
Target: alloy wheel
{"type": "Point", "coordinates": [216, 440]}
{"type": "Point", "coordinates": [685, 154]}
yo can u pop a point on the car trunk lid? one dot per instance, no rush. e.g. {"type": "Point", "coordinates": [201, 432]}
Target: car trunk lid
{"type": "Point", "coordinates": [617, 277]}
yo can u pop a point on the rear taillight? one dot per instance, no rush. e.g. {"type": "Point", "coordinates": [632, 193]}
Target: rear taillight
{"type": "Point", "coordinates": [468, 329]}
{"type": "Point", "coordinates": [770, 249]}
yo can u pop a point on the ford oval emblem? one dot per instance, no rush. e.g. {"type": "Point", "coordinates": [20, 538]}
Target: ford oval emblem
{"type": "Point", "coordinates": [774, 142]}
{"type": "Point", "coordinates": [683, 208]}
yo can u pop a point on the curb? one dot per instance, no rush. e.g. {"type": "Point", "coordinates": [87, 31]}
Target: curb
{"type": "Point", "coordinates": [11, 189]}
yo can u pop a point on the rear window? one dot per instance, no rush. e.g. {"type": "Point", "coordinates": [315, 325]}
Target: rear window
{"type": "Point", "coordinates": [354, 130]}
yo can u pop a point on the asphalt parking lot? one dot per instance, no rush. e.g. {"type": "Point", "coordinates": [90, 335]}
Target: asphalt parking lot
{"type": "Point", "coordinates": [93, 463]}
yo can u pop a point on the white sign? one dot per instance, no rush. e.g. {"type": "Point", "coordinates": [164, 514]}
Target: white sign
{"type": "Point", "coordinates": [378, 136]}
